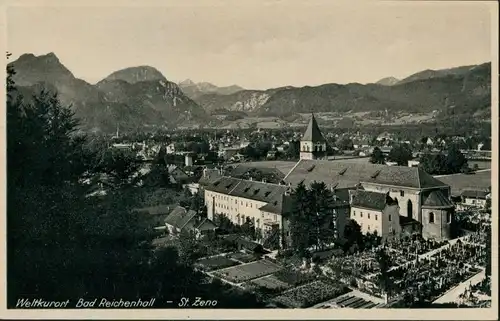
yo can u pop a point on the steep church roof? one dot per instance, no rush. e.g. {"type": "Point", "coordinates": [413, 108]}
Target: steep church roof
{"type": "Point", "coordinates": [312, 132]}
{"type": "Point", "coordinates": [436, 199]}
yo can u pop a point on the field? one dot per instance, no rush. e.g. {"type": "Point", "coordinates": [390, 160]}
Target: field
{"type": "Point", "coordinates": [215, 263]}
{"type": "Point", "coordinates": [461, 182]}
{"type": "Point", "coordinates": [310, 294]}
{"type": "Point", "coordinates": [247, 272]}
{"type": "Point", "coordinates": [269, 282]}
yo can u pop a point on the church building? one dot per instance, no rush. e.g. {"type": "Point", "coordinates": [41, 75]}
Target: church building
{"type": "Point", "coordinates": [313, 144]}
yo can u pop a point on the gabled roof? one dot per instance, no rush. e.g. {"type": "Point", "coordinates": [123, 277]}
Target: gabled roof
{"type": "Point", "coordinates": [279, 205]}
{"type": "Point", "coordinates": [478, 194]}
{"type": "Point", "coordinates": [345, 174]}
{"type": "Point", "coordinates": [179, 217]}
{"type": "Point", "coordinates": [436, 199]}
{"type": "Point", "coordinates": [313, 133]}
{"type": "Point", "coordinates": [254, 190]}
{"type": "Point", "coordinates": [206, 225]}
{"type": "Point", "coordinates": [210, 176]}
{"type": "Point", "coordinates": [371, 200]}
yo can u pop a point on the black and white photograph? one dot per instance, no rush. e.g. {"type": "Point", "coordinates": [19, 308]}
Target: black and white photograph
{"type": "Point", "coordinates": [297, 158]}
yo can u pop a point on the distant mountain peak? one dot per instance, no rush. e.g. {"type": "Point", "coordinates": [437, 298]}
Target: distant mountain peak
{"type": "Point", "coordinates": [388, 81]}
{"type": "Point", "coordinates": [187, 82]}
{"type": "Point", "coordinates": [136, 74]}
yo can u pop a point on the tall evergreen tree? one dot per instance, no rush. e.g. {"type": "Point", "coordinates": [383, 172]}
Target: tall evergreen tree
{"type": "Point", "coordinates": [299, 220]}
{"type": "Point", "coordinates": [321, 205]}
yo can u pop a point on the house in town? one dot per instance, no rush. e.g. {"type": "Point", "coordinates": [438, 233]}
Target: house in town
{"type": "Point", "coordinates": [180, 219]}
{"type": "Point", "coordinates": [475, 198]}
{"type": "Point", "coordinates": [375, 213]}
{"type": "Point", "coordinates": [265, 205]}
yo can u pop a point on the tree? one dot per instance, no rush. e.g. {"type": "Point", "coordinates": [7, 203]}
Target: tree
{"type": "Point", "coordinates": [293, 150]}
{"type": "Point", "coordinates": [433, 163]}
{"type": "Point", "coordinates": [400, 154]}
{"type": "Point", "coordinates": [64, 245]}
{"type": "Point", "coordinates": [377, 157]}
{"type": "Point", "coordinates": [353, 235]}
{"type": "Point", "coordinates": [345, 144]}
{"type": "Point", "coordinates": [320, 200]}
{"type": "Point", "coordinates": [455, 160]}
{"type": "Point", "coordinates": [299, 220]}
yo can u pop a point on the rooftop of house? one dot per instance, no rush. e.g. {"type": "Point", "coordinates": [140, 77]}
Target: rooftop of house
{"type": "Point", "coordinates": [254, 190]}
{"type": "Point", "coordinates": [179, 217]}
{"type": "Point", "coordinates": [477, 194]}
{"type": "Point", "coordinates": [339, 174]}
{"type": "Point", "coordinates": [371, 200]}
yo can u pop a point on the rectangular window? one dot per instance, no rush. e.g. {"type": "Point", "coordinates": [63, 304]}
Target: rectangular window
{"type": "Point", "coordinates": [376, 217]}
{"type": "Point", "coordinates": [235, 201]}
{"type": "Point", "coordinates": [390, 218]}
{"type": "Point", "coordinates": [251, 205]}
{"type": "Point", "coordinates": [275, 218]}
{"type": "Point", "coordinates": [402, 193]}
{"type": "Point", "coordinates": [353, 213]}
{"type": "Point", "coordinates": [368, 215]}
{"type": "Point", "coordinates": [360, 214]}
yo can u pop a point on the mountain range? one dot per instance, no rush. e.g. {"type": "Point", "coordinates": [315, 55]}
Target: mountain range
{"type": "Point", "coordinates": [194, 90]}
{"type": "Point", "coordinates": [130, 98]}
{"type": "Point", "coordinates": [142, 96]}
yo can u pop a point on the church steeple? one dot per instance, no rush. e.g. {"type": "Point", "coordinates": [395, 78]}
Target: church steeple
{"type": "Point", "coordinates": [312, 132]}
{"type": "Point", "coordinates": [313, 144]}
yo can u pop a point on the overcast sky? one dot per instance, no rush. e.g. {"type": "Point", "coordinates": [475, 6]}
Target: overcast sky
{"type": "Point", "coordinates": [256, 44]}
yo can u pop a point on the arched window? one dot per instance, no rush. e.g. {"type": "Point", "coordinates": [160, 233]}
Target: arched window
{"type": "Point", "coordinates": [409, 209]}
{"type": "Point", "coordinates": [431, 217]}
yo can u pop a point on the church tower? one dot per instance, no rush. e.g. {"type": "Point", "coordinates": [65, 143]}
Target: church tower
{"type": "Point", "coordinates": [313, 144]}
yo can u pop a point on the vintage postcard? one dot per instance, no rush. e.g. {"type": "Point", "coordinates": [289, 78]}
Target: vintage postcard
{"type": "Point", "coordinates": [250, 160]}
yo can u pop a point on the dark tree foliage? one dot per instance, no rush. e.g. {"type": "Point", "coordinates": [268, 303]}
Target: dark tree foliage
{"type": "Point", "coordinates": [63, 245]}
{"type": "Point", "coordinates": [311, 220]}
{"type": "Point", "coordinates": [299, 220]}
{"type": "Point", "coordinates": [377, 157]}
{"type": "Point", "coordinates": [353, 235]}
{"type": "Point", "coordinates": [439, 164]}
{"type": "Point", "coordinates": [400, 154]}
{"type": "Point", "coordinates": [293, 150]}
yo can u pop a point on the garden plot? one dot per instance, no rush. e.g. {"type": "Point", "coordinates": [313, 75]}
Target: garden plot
{"type": "Point", "coordinates": [216, 263]}
{"type": "Point", "coordinates": [269, 282]}
{"type": "Point", "coordinates": [247, 272]}
{"type": "Point", "coordinates": [242, 257]}
{"type": "Point", "coordinates": [311, 294]}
